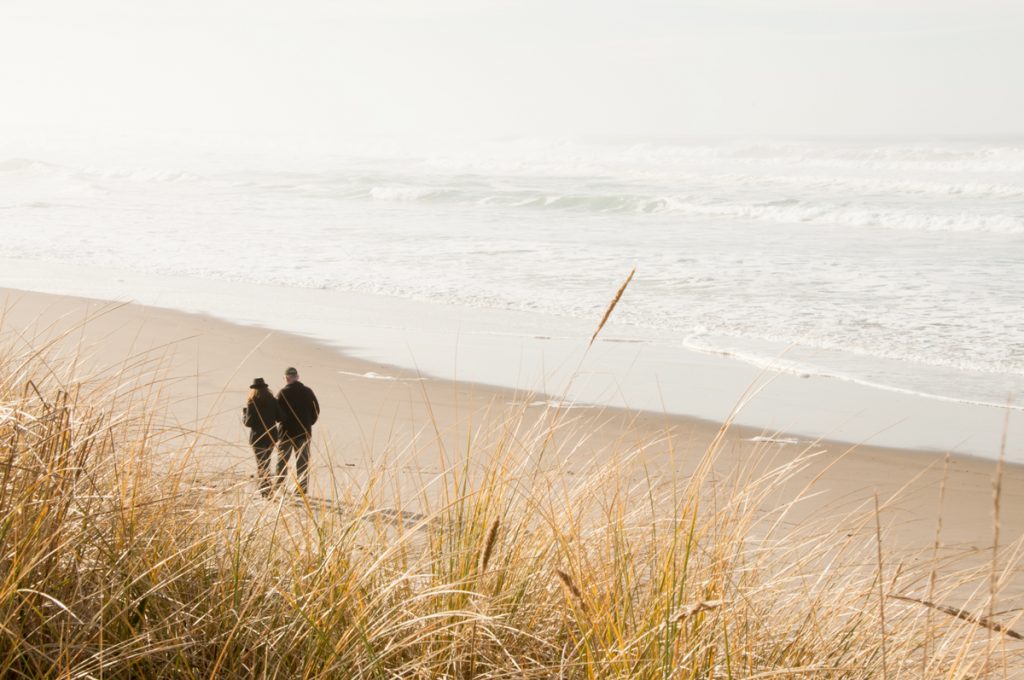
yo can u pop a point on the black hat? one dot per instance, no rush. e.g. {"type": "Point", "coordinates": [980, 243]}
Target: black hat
{"type": "Point", "coordinates": [257, 383]}
{"type": "Point", "coordinates": [290, 371]}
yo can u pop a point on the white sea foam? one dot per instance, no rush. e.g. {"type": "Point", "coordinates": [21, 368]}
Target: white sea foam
{"type": "Point", "coordinates": [401, 193]}
{"type": "Point", "coordinates": [857, 366]}
{"type": "Point", "coordinates": [372, 375]}
{"type": "Point", "coordinates": [774, 440]}
{"type": "Point", "coordinates": [556, 404]}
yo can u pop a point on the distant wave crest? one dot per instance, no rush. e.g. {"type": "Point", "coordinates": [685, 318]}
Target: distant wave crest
{"type": "Point", "coordinates": [787, 211]}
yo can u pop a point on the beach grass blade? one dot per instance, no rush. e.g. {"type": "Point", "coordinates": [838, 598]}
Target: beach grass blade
{"type": "Point", "coordinates": [611, 306]}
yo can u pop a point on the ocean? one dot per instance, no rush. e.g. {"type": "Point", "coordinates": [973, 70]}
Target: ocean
{"type": "Point", "coordinates": [892, 263]}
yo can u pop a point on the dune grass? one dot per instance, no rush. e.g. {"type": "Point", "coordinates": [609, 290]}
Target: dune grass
{"type": "Point", "coordinates": [119, 560]}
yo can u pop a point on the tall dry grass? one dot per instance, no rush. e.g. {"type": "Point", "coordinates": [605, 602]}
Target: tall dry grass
{"type": "Point", "coordinates": [119, 561]}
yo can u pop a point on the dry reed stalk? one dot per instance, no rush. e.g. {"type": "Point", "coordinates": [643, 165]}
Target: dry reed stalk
{"type": "Point", "coordinates": [933, 572]}
{"type": "Point", "coordinates": [997, 487]}
{"type": "Point", "coordinates": [881, 588]}
{"type": "Point", "coordinates": [492, 536]}
{"type": "Point", "coordinates": [568, 582]}
{"type": "Point", "coordinates": [697, 607]}
{"type": "Point", "coordinates": [611, 307]}
{"type": "Point", "coordinates": [982, 621]}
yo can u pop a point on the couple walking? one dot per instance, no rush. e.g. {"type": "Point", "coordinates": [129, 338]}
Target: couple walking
{"type": "Point", "coordinates": [296, 409]}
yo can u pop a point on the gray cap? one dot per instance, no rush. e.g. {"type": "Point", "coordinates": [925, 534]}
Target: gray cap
{"type": "Point", "coordinates": [291, 371]}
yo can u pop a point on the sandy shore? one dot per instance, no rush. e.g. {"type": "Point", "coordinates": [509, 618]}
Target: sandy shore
{"type": "Point", "coordinates": [375, 413]}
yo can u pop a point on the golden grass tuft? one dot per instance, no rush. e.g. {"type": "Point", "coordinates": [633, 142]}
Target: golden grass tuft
{"type": "Point", "coordinates": [121, 558]}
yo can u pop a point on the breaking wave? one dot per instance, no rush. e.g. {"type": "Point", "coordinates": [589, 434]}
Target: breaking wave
{"type": "Point", "coordinates": [788, 211]}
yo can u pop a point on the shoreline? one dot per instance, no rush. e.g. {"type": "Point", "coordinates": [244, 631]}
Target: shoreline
{"type": "Point", "coordinates": [534, 353]}
{"type": "Point", "coordinates": [408, 419]}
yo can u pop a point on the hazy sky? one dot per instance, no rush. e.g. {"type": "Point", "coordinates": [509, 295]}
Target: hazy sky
{"type": "Point", "coordinates": [488, 68]}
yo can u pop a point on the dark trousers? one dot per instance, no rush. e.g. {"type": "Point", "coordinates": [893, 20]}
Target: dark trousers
{"type": "Point", "coordinates": [300, 444]}
{"type": "Point", "coordinates": [263, 450]}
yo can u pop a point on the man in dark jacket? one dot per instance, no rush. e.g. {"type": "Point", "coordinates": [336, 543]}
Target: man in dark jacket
{"type": "Point", "coordinates": [299, 410]}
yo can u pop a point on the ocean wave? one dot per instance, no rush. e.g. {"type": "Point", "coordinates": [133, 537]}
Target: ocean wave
{"type": "Point", "coordinates": [951, 157]}
{"type": "Point", "coordinates": [790, 213]}
{"type": "Point", "coordinates": [628, 192]}
{"type": "Point", "coordinates": [565, 158]}
{"type": "Point", "coordinates": [850, 185]}
{"type": "Point", "coordinates": [37, 168]}
{"type": "Point", "coordinates": [918, 376]}
{"type": "Point", "coordinates": [404, 193]}
{"type": "Point", "coordinates": [648, 179]}
{"type": "Point", "coordinates": [805, 369]}
{"type": "Point", "coordinates": [141, 175]}
{"type": "Point", "coordinates": [23, 165]}
{"type": "Point", "coordinates": [782, 210]}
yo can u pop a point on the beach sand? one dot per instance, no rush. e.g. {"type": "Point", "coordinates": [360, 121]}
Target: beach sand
{"type": "Point", "coordinates": [376, 416]}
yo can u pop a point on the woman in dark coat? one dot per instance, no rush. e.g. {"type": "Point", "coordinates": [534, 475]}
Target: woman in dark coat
{"type": "Point", "coordinates": [261, 415]}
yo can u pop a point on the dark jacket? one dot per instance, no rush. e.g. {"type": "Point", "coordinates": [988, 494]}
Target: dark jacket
{"type": "Point", "coordinates": [299, 409]}
{"type": "Point", "coordinates": [262, 416]}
